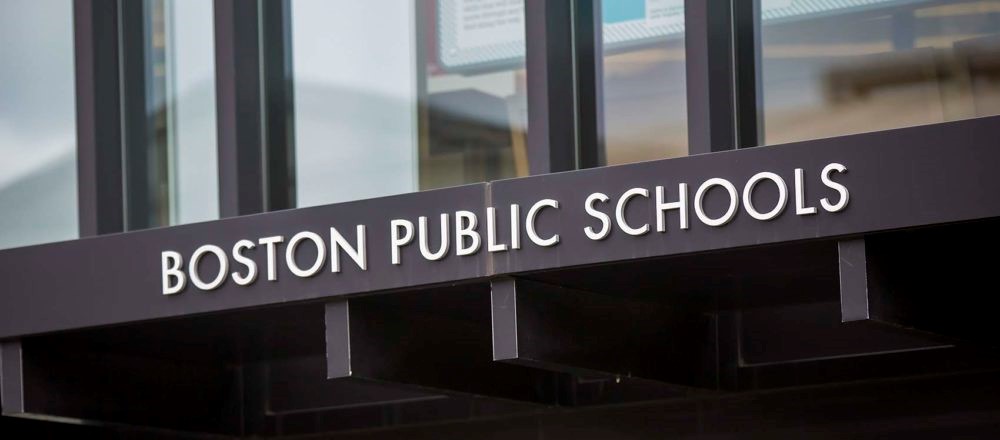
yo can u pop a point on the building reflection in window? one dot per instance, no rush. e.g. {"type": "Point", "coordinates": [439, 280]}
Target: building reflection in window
{"type": "Point", "coordinates": [180, 181]}
{"type": "Point", "coordinates": [834, 68]}
{"type": "Point", "coordinates": [407, 96]}
{"type": "Point", "coordinates": [38, 188]}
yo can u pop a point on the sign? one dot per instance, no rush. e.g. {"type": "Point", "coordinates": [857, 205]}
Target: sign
{"type": "Point", "coordinates": [460, 233]}
{"type": "Point", "coordinates": [891, 180]}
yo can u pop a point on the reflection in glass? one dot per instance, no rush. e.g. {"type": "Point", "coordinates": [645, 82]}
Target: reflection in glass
{"type": "Point", "coordinates": [406, 96]}
{"type": "Point", "coordinates": [190, 117]}
{"type": "Point", "coordinates": [832, 68]}
{"type": "Point", "coordinates": [645, 99]}
{"type": "Point", "coordinates": [38, 185]}
{"type": "Point", "coordinates": [178, 183]}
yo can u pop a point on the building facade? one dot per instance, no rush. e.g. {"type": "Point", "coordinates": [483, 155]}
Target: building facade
{"type": "Point", "coordinates": [499, 218]}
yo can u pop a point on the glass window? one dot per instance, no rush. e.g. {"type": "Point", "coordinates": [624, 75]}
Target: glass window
{"type": "Point", "coordinates": [191, 119]}
{"type": "Point", "coordinates": [38, 187]}
{"type": "Point", "coordinates": [832, 68]}
{"type": "Point", "coordinates": [406, 96]}
{"type": "Point", "coordinates": [645, 99]}
{"type": "Point", "coordinates": [177, 137]}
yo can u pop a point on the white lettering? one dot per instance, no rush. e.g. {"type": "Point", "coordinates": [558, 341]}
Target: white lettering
{"type": "Point", "coordinates": [800, 195]}
{"type": "Point", "coordinates": [748, 196]}
{"type": "Point", "coordinates": [604, 218]}
{"type": "Point", "coordinates": [399, 241]}
{"type": "Point", "coordinates": [515, 226]}
{"type": "Point", "coordinates": [529, 223]}
{"type": "Point", "coordinates": [170, 264]}
{"type": "Point", "coordinates": [271, 243]}
{"type": "Point", "coordinates": [293, 245]}
{"type": "Point", "coordinates": [681, 205]}
{"type": "Point", "coordinates": [465, 227]}
{"type": "Point", "coordinates": [844, 195]}
{"type": "Point", "coordinates": [250, 265]}
{"type": "Point", "coordinates": [620, 211]}
{"type": "Point", "coordinates": [491, 232]}
{"type": "Point", "coordinates": [196, 260]}
{"type": "Point", "coordinates": [699, 197]}
{"type": "Point", "coordinates": [357, 253]}
{"type": "Point", "coordinates": [424, 239]}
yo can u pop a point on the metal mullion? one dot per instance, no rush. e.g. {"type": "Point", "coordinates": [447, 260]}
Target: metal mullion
{"type": "Point", "coordinates": [239, 103]}
{"type": "Point", "coordinates": [749, 89]}
{"type": "Point", "coordinates": [711, 101]}
{"type": "Point", "coordinates": [551, 121]}
{"type": "Point", "coordinates": [98, 117]}
{"type": "Point", "coordinates": [141, 153]}
{"type": "Point", "coordinates": [588, 41]}
{"type": "Point", "coordinates": [279, 114]}
{"type": "Point", "coordinates": [563, 46]}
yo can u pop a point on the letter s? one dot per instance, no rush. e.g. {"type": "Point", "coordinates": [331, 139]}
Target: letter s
{"type": "Point", "coordinates": [593, 212]}
{"type": "Point", "coordinates": [841, 189]}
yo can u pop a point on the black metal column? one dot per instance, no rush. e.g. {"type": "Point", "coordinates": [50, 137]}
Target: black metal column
{"type": "Point", "coordinates": [98, 117]}
{"type": "Point", "coordinates": [240, 107]}
{"type": "Point", "coordinates": [711, 91]}
{"type": "Point", "coordinates": [563, 45]}
{"type": "Point", "coordinates": [11, 378]}
{"type": "Point", "coordinates": [588, 41]}
{"type": "Point", "coordinates": [748, 64]}
{"type": "Point", "coordinates": [279, 107]}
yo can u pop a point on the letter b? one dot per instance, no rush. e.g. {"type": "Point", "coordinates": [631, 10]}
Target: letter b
{"type": "Point", "coordinates": [173, 275]}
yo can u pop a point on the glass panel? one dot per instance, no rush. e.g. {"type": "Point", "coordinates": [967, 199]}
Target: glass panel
{"type": "Point", "coordinates": [179, 57]}
{"type": "Point", "coordinates": [406, 96]}
{"type": "Point", "coordinates": [645, 99]}
{"type": "Point", "coordinates": [831, 68]}
{"type": "Point", "coordinates": [191, 118]}
{"type": "Point", "coordinates": [38, 188]}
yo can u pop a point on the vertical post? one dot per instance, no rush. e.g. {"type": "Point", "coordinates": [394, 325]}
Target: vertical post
{"type": "Point", "coordinates": [853, 263]}
{"type": "Point", "coordinates": [98, 117]}
{"type": "Point", "coordinates": [240, 107]}
{"type": "Point", "coordinates": [551, 122]}
{"type": "Point", "coordinates": [135, 116]}
{"type": "Point", "coordinates": [710, 78]}
{"type": "Point", "coordinates": [588, 40]}
{"type": "Point", "coordinates": [563, 45]}
{"type": "Point", "coordinates": [749, 88]}
{"type": "Point", "coordinates": [279, 108]}
{"type": "Point", "coordinates": [11, 378]}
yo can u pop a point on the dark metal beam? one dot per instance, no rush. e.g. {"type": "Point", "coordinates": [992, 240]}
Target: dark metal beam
{"type": "Point", "coordinates": [853, 280]}
{"type": "Point", "coordinates": [545, 326]}
{"type": "Point", "coordinates": [928, 282]}
{"type": "Point", "coordinates": [240, 107]}
{"type": "Point", "coordinates": [711, 102]}
{"type": "Point", "coordinates": [63, 382]}
{"type": "Point", "coordinates": [11, 378]}
{"type": "Point", "coordinates": [959, 182]}
{"type": "Point", "coordinates": [98, 117]}
{"type": "Point", "coordinates": [301, 385]}
{"type": "Point", "coordinates": [438, 341]}
{"type": "Point", "coordinates": [565, 81]}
